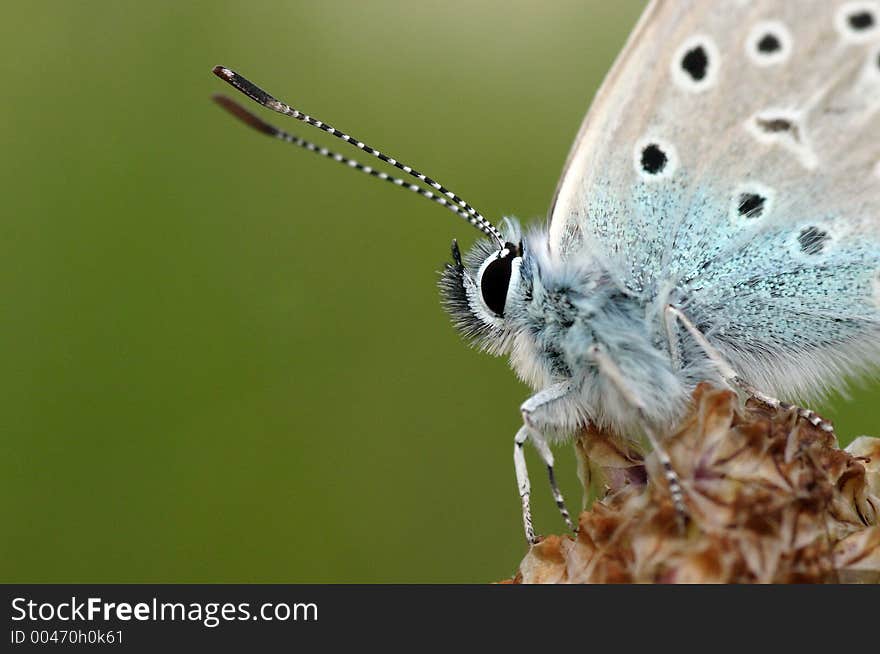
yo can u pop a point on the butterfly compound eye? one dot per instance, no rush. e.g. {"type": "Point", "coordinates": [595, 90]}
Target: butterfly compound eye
{"type": "Point", "coordinates": [495, 280]}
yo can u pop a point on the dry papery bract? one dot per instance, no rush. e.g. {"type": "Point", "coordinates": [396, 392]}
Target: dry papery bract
{"type": "Point", "coordinates": [771, 499]}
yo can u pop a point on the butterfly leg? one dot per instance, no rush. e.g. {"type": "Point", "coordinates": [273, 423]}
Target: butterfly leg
{"type": "Point", "coordinates": [669, 323]}
{"type": "Point", "coordinates": [807, 414]}
{"type": "Point", "coordinates": [730, 376]}
{"type": "Point", "coordinates": [534, 411]}
{"type": "Point", "coordinates": [610, 371]}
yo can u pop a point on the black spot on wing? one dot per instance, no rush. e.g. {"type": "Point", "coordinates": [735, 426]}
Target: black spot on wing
{"type": "Point", "coordinates": [812, 240]}
{"type": "Point", "coordinates": [780, 125]}
{"type": "Point", "coordinates": [695, 63]}
{"type": "Point", "coordinates": [751, 205]}
{"type": "Point", "coordinates": [774, 125]}
{"type": "Point", "coordinates": [653, 159]}
{"type": "Point", "coordinates": [861, 20]}
{"type": "Point", "coordinates": [769, 43]}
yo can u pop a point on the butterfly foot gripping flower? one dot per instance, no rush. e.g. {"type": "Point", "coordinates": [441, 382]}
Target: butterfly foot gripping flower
{"type": "Point", "coordinates": [771, 499]}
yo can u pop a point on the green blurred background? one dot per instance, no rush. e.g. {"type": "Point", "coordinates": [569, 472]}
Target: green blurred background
{"type": "Point", "coordinates": [224, 358]}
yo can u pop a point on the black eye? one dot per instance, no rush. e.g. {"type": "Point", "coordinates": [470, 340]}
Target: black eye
{"type": "Point", "coordinates": [496, 280]}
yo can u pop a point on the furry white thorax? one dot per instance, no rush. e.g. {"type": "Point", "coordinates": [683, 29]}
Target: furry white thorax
{"type": "Point", "coordinates": [557, 310]}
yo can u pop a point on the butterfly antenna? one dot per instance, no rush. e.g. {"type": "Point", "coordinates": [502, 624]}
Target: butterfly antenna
{"type": "Point", "coordinates": [257, 94]}
{"type": "Point", "coordinates": [262, 126]}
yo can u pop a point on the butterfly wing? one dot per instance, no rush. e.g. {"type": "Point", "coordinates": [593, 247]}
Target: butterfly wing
{"type": "Point", "coordinates": [729, 165]}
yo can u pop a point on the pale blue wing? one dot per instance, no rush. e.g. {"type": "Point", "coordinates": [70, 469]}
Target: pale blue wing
{"type": "Point", "coordinates": [729, 164]}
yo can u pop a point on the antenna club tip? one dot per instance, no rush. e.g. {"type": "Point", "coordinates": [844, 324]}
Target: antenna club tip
{"type": "Point", "coordinates": [223, 72]}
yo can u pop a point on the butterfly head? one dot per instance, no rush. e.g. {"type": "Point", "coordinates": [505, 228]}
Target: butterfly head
{"type": "Point", "coordinates": [481, 289]}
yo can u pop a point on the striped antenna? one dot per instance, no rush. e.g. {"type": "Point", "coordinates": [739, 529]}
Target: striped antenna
{"type": "Point", "coordinates": [262, 126]}
{"type": "Point", "coordinates": [257, 94]}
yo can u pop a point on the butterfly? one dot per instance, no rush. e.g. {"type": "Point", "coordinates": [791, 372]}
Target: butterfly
{"type": "Point", "coordinates": [718, 219]}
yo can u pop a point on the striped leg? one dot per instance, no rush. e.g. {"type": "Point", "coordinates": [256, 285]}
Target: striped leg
{"type": "Point", "coordinates": [731, 377]}
{"type": "Point", "coordinates": [533, 410]}
{"type": "Point", "coordinates": [609, 369]}
{"type": "Point", "coordinates": [547, 457]}
{"type": "Point", "coordinates": [807, 414]}
{"type": "Point", "coordinates": [522, 482]}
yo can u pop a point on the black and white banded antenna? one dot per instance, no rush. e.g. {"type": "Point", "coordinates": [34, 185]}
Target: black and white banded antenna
{"type": "Point", "coordinates": [262, 126]}
{"type": "Point", "coordinates": [258, 95]}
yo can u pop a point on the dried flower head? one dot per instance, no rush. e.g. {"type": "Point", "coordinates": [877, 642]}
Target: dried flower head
{"type": "Point", "coordinates": [771, 499]}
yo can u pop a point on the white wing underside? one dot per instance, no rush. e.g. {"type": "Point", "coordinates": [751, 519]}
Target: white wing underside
{"type": "Point", "coordinates": [786, 291]}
